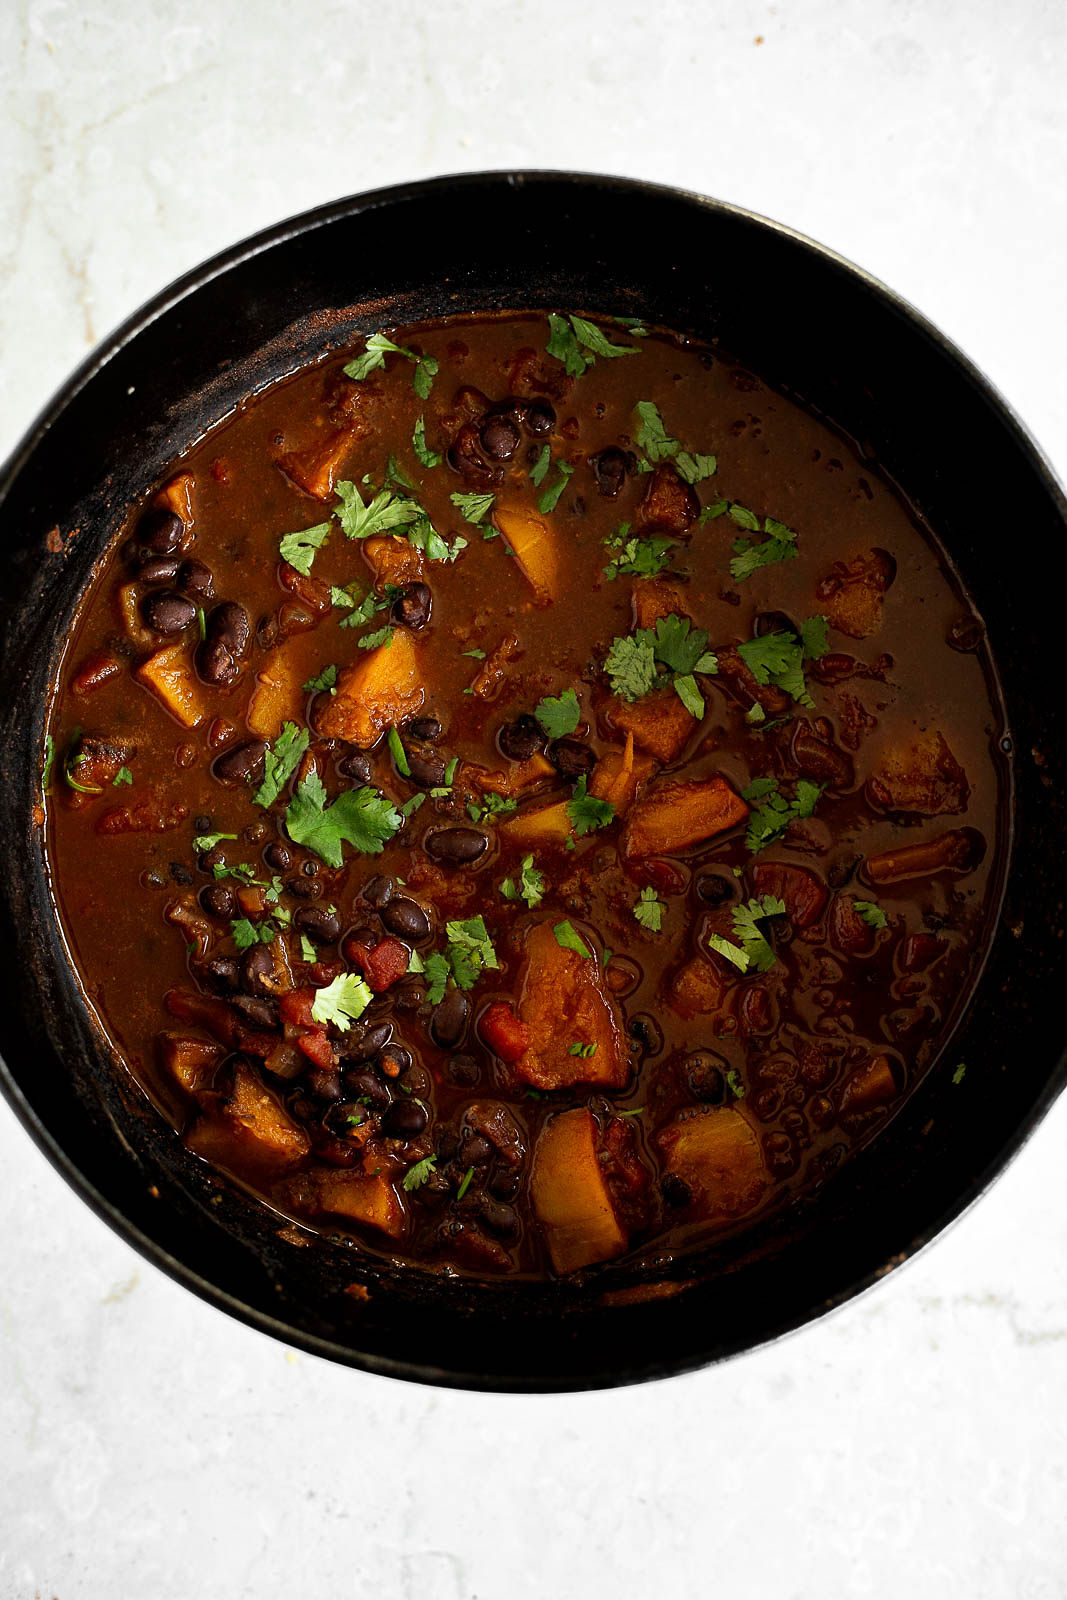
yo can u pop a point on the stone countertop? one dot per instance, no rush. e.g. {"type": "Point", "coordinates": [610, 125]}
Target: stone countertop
{"type": "Point", "coordinates": [916, 1442]}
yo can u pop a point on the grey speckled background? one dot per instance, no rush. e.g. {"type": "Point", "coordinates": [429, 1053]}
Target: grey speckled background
{"type": "Point", "coordinates": [916, 1443]}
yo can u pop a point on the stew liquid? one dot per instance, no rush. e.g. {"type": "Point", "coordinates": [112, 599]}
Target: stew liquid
{"type": "Point", "coordinates": [529, 798]}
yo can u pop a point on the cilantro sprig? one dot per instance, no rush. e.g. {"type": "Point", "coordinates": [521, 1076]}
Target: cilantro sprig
{"type": "Point", "coordinates": [649, 909]}
{"type": "Point", "coordinates": [634, 557]}
{"type": "Point", "coordinates": [778, 658]}
{"type": "Point", "coordinates": [752, 952]}
{"type": "Point", "coordinates": [280, 762]}
{"type": "Point", "coordinates": [373, 357]}
{"type": "Point", "coordinates": [772, 812]}
{"type": "Point", "coordinates": [341, 1002]}
{"type": "Point", "coordinates": [634, 661]}
{"type": "Point", "coordinates": [358, 817]}
{"type": "Point", "coordinates": [586, 812]}
{"type": "Point", "coordinates": [577, 342]}
{"type": "Point", "coordinates": [530, 887]}
{"type": "Point", "coordinates": [559, 715]}
{"type": "Point", "coordinates": [299, 549]}
{"type": "Point", "coordinates": [468, 953]}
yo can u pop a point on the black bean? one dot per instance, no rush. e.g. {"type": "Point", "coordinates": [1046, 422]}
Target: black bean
{"type": "Point", "coordinates": [475, 1150]}
{"type": "Point", "coordinates": [229, 622]}
{"type": "Point", "coordinates": [160, 531]}
{"type": "Point", "coordinates": [412, 608]}
{"type": "Point", "coordinates": [448, 1020]}
{"type": "Point", "coordinates": [394, 1060]}
{"type": "Point", "coordinates": [202, 823]}
{"type": "Point", "coordinates": [499, 438]}
{"type": "Point", "coordinates": [256, 1009]}
{"type": "Point", "coordinates": [267, 632]}
{"type": "Point", "coordinates": [310, 869]}
{"type": "Point", "coordinates": [406, 918]}
{"type": "Point", "coordinates": [242, 763]}
{"type": "Point", "coordinates": [158, 569]}
{"type": "Point", "coordinates": [522, 738]}
{"type": "Point", "coordinates": [181, 874]}
{"type": "Point", "coordinates": [497, 1217]}
{"type": "Point", "coordinates": [221, 972]}
{"type": "Point", "coordinates": [219, 900]}
{"type": "Point", "coordinates": [427, 769]}
{"type": "Point", "coordinates": [196, 579]}
{"type": "Point", "coordinates": [648, 1034]}
{"type": "Point", "coordinates": [378, 892]}
{"type": "Point", "coordinates": [278, 856]}
{"type": "Point", "coordinates": [714, 889]}
{"type": "Point", "coordinates": [257, 967]}
{"type": "Point", "coordinates": [504, 1182]}
{"type": "Point", "coordinates": [219, 655]}
{"type": "Point", "coordinates": [426, 729]}
{"type": "Point", "coordinates": [704, 1075]}
{"type": "Point", "coordinates": [447, 1146]}
{"type": "Point", "coordinates": [211, 859]}
{"type": "Point", "coordinates": [167, 612]}
{"type": "Point", "coordinates": [368, 1086]}
{"type": "Point", "coordinates": [255, 832]}
{"type": "Point", "coordinates": [303, 888]}
{"type": "Point", "coordinates": [320, 924]}
{"type": "Point", "coordinates": [571, 758]}
{"type": "Point", "coordinates": [610, 468]}
{"type": "Point", "coordinates": [772, 622]}
{"type": "Point", "coordinates": [540, 417]}
{"type": "Point", "coordinates": [675, 1191]}
{"type": "Point", "coordinates": [405, 1119]}
{"type": "Point", "coordinates": [463, 1070]}
{"type": "Point", "coordinates": [324, 1085]}
{"type": "Point", "coordinates": [364, 1042]}
{"type": "Point", "coordinates": [456, 847]}
{"type": "Point", "coordinates": [356, 766]}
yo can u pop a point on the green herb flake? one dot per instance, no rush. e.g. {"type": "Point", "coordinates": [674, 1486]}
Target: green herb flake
{"type": "Point", "coordinates": [549, 500]}
{"type": "Point", "coordinates": [307, 949]}
{"type": "Point", "coordinates": [477, 655]}
{"type": "Point", "coordinates": [586, 812]}
{"type": "Point", "coordinates": [540, 466]}
{"type": "Point", "coordinates": [416, 1176]}
{"type": "Point", "coordinates": [871, 913]}
{"type": "Point", "coordinates": [358, 817]}
{"type": "Point", "coordinates": [423, 453]}
{"type": "Point", "coordinates": [580, 1049]}
{"type": "Point", "coordinates": [123, 775]}
{"type": "Point", "coordinates": [568, 938]}
{"type": "Point", "coordinates": [473, 508]}
{"type": "Point", "coordinates": [559, 715]}
{"type": "Point", "coordinates": [957, 1076]}
{"type": "Point", "coordinates": [596, 341]}
{"type": "Point", "coordinates": [694, 468]}
{"type": "Point", "coordinates": [298, 549]}
{"type": "Point", "coordinates": [531, 885]}
{"type": "Point", "coordinates": [410, 806]}
{"type": "Point", "coordinates": [651, 436]}
{"type": "Point", "coordinates": [631, 665]}
{"type": "Point", "coordinates": [280, 762]}
{"type": "Point", "coordinates": [49, 762]}
{"type": "Point", "coordinates": [563, 345]}
{"type": "Point", "coordinates": [341, 1002]}
{"type": "Point", "coordinates": [465, 1183]}
{"type": "Point", "coordinates": [247, 933]}
{"type": "Point", "coordinates": [649, 909]}
{"type": "Point", "coordinates": [325, 680]}
{"type": "Point", "coordinates": [399, 754]}
{"type": "Point", "coordinates": [381, 636]}
{"type": "Point", "coordinates": [734, 1084]}
{"type": "Point", "coordinates": [361, 519]}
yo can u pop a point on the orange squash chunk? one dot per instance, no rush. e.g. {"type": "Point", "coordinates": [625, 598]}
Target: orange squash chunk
{"type": "Point", "coordinates": [699, 989]}
{"type": "Point", "coordinates": [869, 1086]}
{"type": "Point", "coordinates": [670, 816]}
{"type": "Point", "coordinates": [540, 826]}
{"type": "Point", "coordinates": [393, 560]}
{"type": "Point", "coordinates": [535, 548]}
{"type": "Point", "coordinates": [923, 776]}
{"type": "Point", "coordinates": [517, 776]}
{"type": "Point", "coordinates": [379, 690]}
{"type": "Point", "coordinates": [278, 695]}
{"type": "Point", "coordinates": [248, 1128]}
{"type": "Point", "coordinates": [717, 1155]}
{"type": "Point", "coordinates": [655, 598]}
{"type": "Point", "coordinates": [659, 723]}
{"type": "Point", "coordinates": [361, 1197]}
{"type": "Point", "coordinates": [315, 468]}
{"type": "Point", "coordinates": [850, 597]}
{"type": "Point", "coordinates": [570, 1195]}
{"type": "Point", "coordinates": [619, 774]}
{"type": "Point", "coordinates": [177, 495]}
{"type": "Point", "coordinates": [187, 1059]}
{"type": "Point", "coordinates": [171, 677]}
{"type": "Point", "coordinates": [563, 1002]}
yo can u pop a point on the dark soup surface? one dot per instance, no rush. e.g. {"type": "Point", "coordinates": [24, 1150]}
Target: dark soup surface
{"type": "Point", "coordinates": [526, 794]}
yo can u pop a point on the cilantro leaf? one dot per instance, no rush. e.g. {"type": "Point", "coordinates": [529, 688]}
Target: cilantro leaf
{"type": "Point", "coordinates": [426, 368]}
{"type": "Point", "coordinates": [685, 687]}
{"type": "Point", "coordinates": [595, 340]}
{"type": "Point", "coordinates": [586, 812]}
{"type": "Point", "coordinates": [580, 1049]}
{"type": "Point", "coordinates": [341, 1002]}
{"type": "Point", "coordinates": [649, 909]}
{"type": "Point", "coordinates": [752, 951]}
{"type": "Point", "coordinates": [744, 517]}
{"type": "Point", "coordinates": [416, 1175]}
{"type": "Point", "coordinates": [681, 647]}
{"type": "Point", "coordinates": [437, 972]}
{"type": "Point", "coordinates": [779, 545]}
{"type": "Point", "coordinates": [361, 519]}
{"type": "Point", "coordinates": [636, 326]}
{"type": "Point", "coordinates": [637, 558]}
{"type": "Point", "coordinates": [308, 951]}
{"type": "Point", "coordinates": [779, 659]}
{"type": "Point", "coordinates": [651, 436]}
{"type": "Point", "coordinates": [377, 347]}
{"type": "Point", "coordinates": [298, 549]}
{"type": "Point", "coordinates": [123, 775]}
{"type": "Point", "coordinates": [531, 886]}
{"type": "Point", "coordinates": [473, 507]}
{"type": "Point", "coordinates": [568, 938]}
{"type": "Point", "coordinates": [470, 950]}
{"type": "Point", "coordinates": [422, 535]}
{"type": "Point", "coordinates": [871, 912]}
{"type": "Point", "coordinates": [773, 813]}
{"type": "Point", "coordinates": [814, 638]}
{"type": "Point", "coordinates": [694, 468]}
{"type": "Point", "coordinates": [394, 473]}
{"type": "Point", "coordinates": [631, 665]}
{"type": "Point", "coordinates": [325, 680]}
{"type": "Point", "coordinates": [399, 754]}
{"type": "Point", "coordinates": [423, 453]}
{"type": "Point", "coordinates": [381, 636]}
{"type": "Point", "coordinates": [549, 500]}
{"type": "Point", "coordinates": [464, 1183]}
{"type": "Point", "coordinates": [540, 466]}
{"type": "Point", "coordinates": [734, 1084]}
{"type": "Point", "coordinates": [208, 841]}
{"type": "Point", "coordinates": [559, 716]}
{"type": "Point", "coordinates": [246, 933]}
{"type": "Point", "coordinates": [563, 344]}
{"type": "Point", "coordinates": [280, 762]}
{"type": "Point", "coordinates": [359, 817]}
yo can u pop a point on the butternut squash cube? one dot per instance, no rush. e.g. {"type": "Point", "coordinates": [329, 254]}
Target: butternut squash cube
{"type": "Point", "coordinates": [671, 816]}
{"type": "Point", "coordinates": [187, 1059]}
{"type": "Point", "coordinates": [363, 1198]}
{"type": "Point", "coordinates": [570, 1194]}
{"type": "Point", "coordinates": [655, 598]}
{"type": "Point", "coordinates": [534, 546]}
{"type": "Point", "coordinates": [717, 1155]}
{"type": "Point", "coordinates": [562, 1001]}
{"type": "Point", "coordinates": [659, 723]}
{"type": "Point", "coordinates": [540, 826]}
{"type": "Point", "coordinates": [248, 1128]}
{"type": "Point", "coordinates": [393, 560]}
{"type": "Point", "coordinates": [278, 695]}
{"type": "Point", "coordinates": [380, 689]}
{"type": "Point", "coordinates": [172, 679]}
{"type": "Point", "coordinates": [619, 774]}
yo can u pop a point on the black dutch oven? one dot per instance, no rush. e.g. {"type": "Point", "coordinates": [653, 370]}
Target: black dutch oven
{"type": "Point", "coordinates": [807, 321]}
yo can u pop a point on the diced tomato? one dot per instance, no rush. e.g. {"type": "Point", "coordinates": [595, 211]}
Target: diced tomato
{"type": "Point", "coordinates": [382, 966]}
{"type": "Point", "coordinates": [317, 1048]}
{"type": "Point", "coordinates": [503, 1032]}
{"type": "Point", "coordinates": [296, 1007]}
{"type": "Point", "coordinates": [95, 670]}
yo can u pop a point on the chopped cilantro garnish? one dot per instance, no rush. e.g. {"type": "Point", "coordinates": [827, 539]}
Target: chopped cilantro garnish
{"type": "Point", "coordinates": [779, 545]}
{"type": "Point", "coordinates": [491, 805]}
{"type": "Point", "coordinates": [752, 951]}
{"type": "Point", "coordinates": [734, 1084]}
{"type": "Point", "coordinates": [550, 498]}
{"type": "Point", "coordinates": [325, 680]}
{"type": "Point", "coordinates": [476, 654]}
{"type": "Point", "coordinates": [394, 473]}
{"type": "Point", "coordinates": [957, 1076]}
{"type": "Point", "coordinates": [465, 1183]}
{"type": "Point", "coordinates": [247, 933]}
{"type": "Point", "coordinates": [568, 938]}
{"type": "Point", "coordinates": [580, 1049]}
{"type": "Point", "coordinates": [773, 813]}
{"type": "Point", "coordinates": [531, 885]}
{"type": "Point", "coordinates": [123, 775]}
{"type": "Point", "coordinates": [307, 949]}
{"type": "Point", "coordinates": [596, 341]}
{"type": "Point", "coordinates": [540, 467]}
{"type": "Point", "coordinates": [473, 508]}
{"type": "Point", "coordinates": [399, 754]}
{"type": "Point", "coordinates": [280, 762]}
{"type": "Point", "coordinates": [563, 344]}
{"type": "Point", "coordinates": [378, 347]}
{"type": "Point", "coordinates": [342, 1001]}
{"type": "Point", "coordinates": [559, 715]}
{"type": "Point", "coordinates": [631, 666]}
{"type": "Point", "coordinates": [636, 325]}
{"type": "Point", "coordinates": [632, 661]}
{"type": "Point", "coordinates": [208, 841]}
{"type": "Point", "coordinates": [424, 536]}
{"type": "Point", "coordinates": [360, 519]}
{"type": "Point", "coordinates": [426, 368]}
{"type": "Point", "coordinates": [298, 549]}
{"type": "Point", "coordinates": [694, 468]}
{"type": "Point", "coordinates": [359, 817]}
{"type": "Point", "coordinates": [380, 636]}
{"type": "Point", "coordinates": [814, 638]}
{"type": "Point", "coordinates": [651, 436]}
{"type": "Point", "coordinates": [871, 913]}
{"type": "Point", "coordinates": [416, 1176]}
{"type": "Point", "coordinates": [49, 760]}
{"type": "Point", "coordinates": [427, 457]}
{"type": "Point", "coordinates": [410, 806]}
{"type": "Point", "coordinates": [586, 812]}
{"type": "Point", "coordinates": [649, 909]}
{"type": "Point", "coordinates": [779, 657]}
{"type": "Point", "coordinates": [637, 558]}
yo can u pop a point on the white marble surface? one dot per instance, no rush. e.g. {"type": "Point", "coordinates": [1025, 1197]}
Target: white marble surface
{"type": "Point", "coordinates": [149, 1448]}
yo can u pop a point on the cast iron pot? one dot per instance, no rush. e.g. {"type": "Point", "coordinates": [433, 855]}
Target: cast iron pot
{"type": "Point", "coordinates": [804, 319]}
